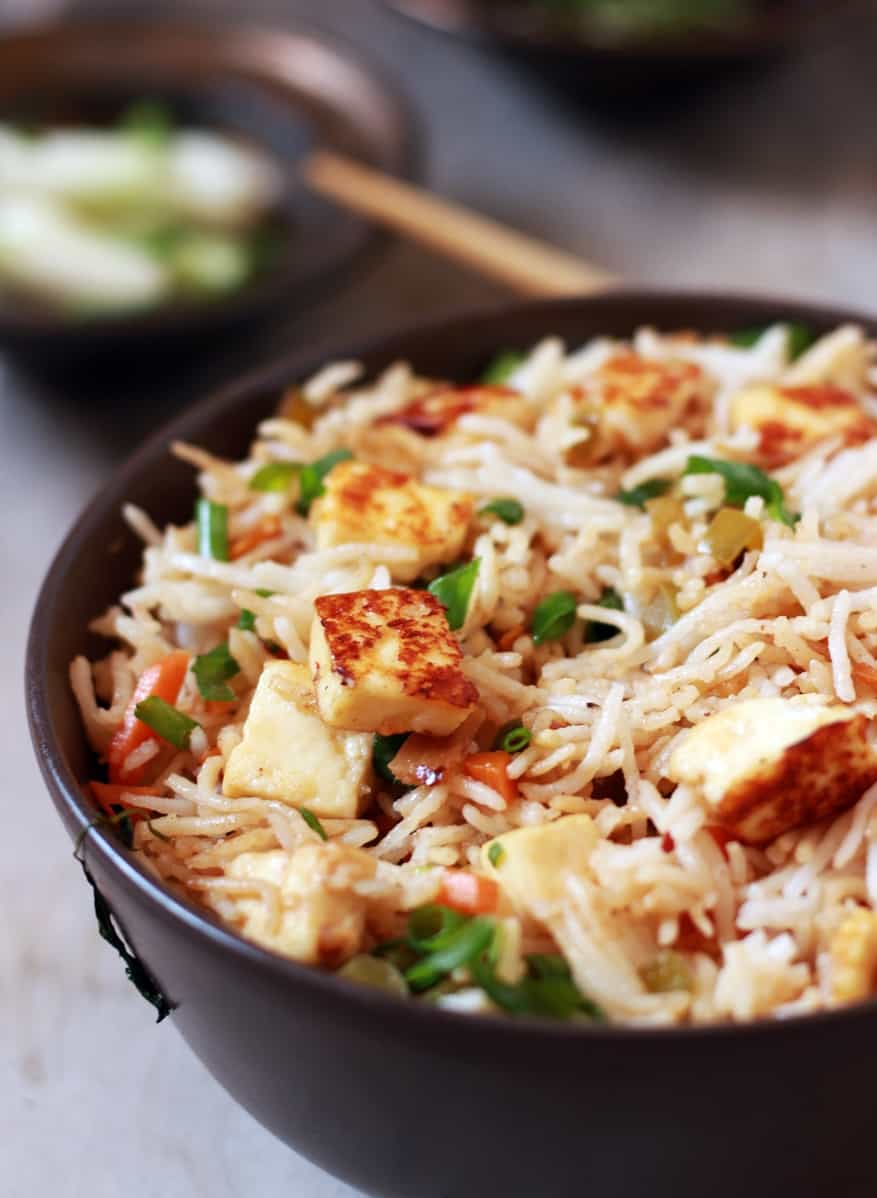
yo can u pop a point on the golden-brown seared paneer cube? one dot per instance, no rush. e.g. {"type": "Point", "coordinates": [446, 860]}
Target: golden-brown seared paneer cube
{"type": "Point", "coordinates": [791, 419]}
{"type": "Point", "coordinates": [630, 406]}
{"type": "Point", "coordinates": [438, 410]}
{"type": "Point", "coordinates": [765, 766]}
{"type": "Point", "coordinates": [322, 917]}
{"type": "Point", "coordinates": [853, 958]}
{"type": "Point", "coordinates": [386, 661]}
{"type": "Point", "coordinates": [370, 504]}
{"type": "Point", "coordinates": [287, 753]}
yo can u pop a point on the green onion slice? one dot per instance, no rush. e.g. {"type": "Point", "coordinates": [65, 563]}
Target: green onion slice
{"type": "Point", "coordinates": [547, 990]}
{"type": "Point", "coordinates": [212, 670]}
{"type": "Point", "coordinates": [247, 620]}
{"type": "Point", "coordinates": [508, 510]}
{"type": "Point", "coordinates": [514, 738]}
{"type": "Point", "coordinates": [495, 854]}
{"type": "Point", "coordinates": [212, 520]}
{"type": "Point", "coordinates": [650, 489]}
{"type": "Point", "coordinates": [148, 122]}
{"type": "Point", "coordinates": [313, 823]}
{"type": "Point", "coordinates": [311, 478]}
{"type": "Point", "coordinates": [799, 337]}
{"type": "Point", "coordinates": [384, 749]}
{"type": "Point", "coordinates": [502, 368]}
{"type": "Point", "coordinates": [433, 927]}
{"type": "Point", "coordinates": [462, 948]}
{"type": "Point", "coordinates": [276, 476]}
{"type": "Point", "coordinates": [454, 590]}
{"type": "Point", "coordinates": [166, 721]}
{"type": "Point", "coordinates": [596, 632]}
{"type": "Point", "coordinates": [553, 617]}
{"type": "Point", "coordinates": [743, 480]}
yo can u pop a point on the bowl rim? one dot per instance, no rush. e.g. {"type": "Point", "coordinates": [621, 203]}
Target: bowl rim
{"type": "Point", "coordinates": [243, 41]}
{"type": "Point", "coordinates": [160, 902]}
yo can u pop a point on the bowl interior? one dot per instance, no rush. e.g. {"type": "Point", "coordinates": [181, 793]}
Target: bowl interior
{"type": "Point", "coordinates": [285, 92]}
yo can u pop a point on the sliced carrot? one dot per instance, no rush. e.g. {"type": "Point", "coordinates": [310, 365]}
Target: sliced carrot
{"type": "Point", "coordinates": [109, 794]}
{"type": "Point", "coordinates": [492, 770]}
{"type": "Point", "coordinates": [254, 537]}
{"type": "Point", "coordinates": [163, 679]}
{"type": "Point", "coordinates": [507, 640]}
{"type": "Point", "coordinates": [862, 672]}
{"type": "Point", "coordinates": [470, 894]}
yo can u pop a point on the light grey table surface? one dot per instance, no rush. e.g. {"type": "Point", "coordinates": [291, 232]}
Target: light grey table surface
{"type": "Point", "coordinates": [766, 183]}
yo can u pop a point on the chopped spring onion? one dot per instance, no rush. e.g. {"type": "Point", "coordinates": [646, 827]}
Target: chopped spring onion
{"type": "Point", "coordinates": [454, 590]}
{"type": "Point", "coordinates": [275, 476]}
{"type": "Point", "coordinates": [596, 631]}
{"type": "Point", "coordinates": [668, 971]}
{"type": "Point", "coordinates": [384, 749]}
{"type": "Point", "coordinates": [311, 478]}
{"type": "Point", "coordinates": [514, 738]}
{"type": "Point", "coordinates": [547, 990]}
{"type": "Point", "coordinates": [165, 721]}
{"type": "Point", "coordinates": [495, 854]}
{"type": "Point", "coordinates": [313, 823]}
{"type": "Point", "coordinates": [730, 533]}
{"type": "Point", "coordinates": [212, 670]}
{"type": "Point", "coordinates": [247, 620]}
{"type": "Point", "coordinates": [799, 338]}
{"type": "Point", "coordinates": [743, 480]}
{"type": "Point", "coordinates": [553, 617]}
{"type": "Point", "coordinates": [461, 948]}
{"type": "Point", "coordinates": [650, 489]}
{"type": "Point", "coordinates": [212, 519]}
{"type": "Point", "coordinates": [508, 510]}
{"type": "Point", "coordinates": [375, 971]}
{"type": "Point", "coordinates": [433, 927]}
{"type": "Point", "coordinates": [502, 368]}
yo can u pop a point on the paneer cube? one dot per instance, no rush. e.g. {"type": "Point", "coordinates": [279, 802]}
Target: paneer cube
{"type": "Point", "coordinates": [765, 766]}
{"type": "Point", "coordinates": [791, 419]}
{"type": "Point", "coordinates": [368, 503]}
{"type": "Point", "coordinates": [438, 409]}
{"type": "Point", "coordinates": [288, 754]}
{"type": "Point", "coordinates": [533, 864]}
{"type": "Point", "coordinates": [386, 661]}
{"type": "Point", "coordinates": [322, 917]}
{"type": "Point", "coordinates": [630, 405]}
{"type": "Point", "coordinates": [853, 956]}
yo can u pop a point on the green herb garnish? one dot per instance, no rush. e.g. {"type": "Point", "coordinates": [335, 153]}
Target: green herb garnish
{"type": "Point", "coordinates": [165, 721]}
{"type": "Point", "coordinates": [247, 620]}
{"type": "Point", "coordinates": [212, 670]}
{"type": "Point", "coordinates": [502, 368]}
{"type": "Point", "coordinates": [460, 948]}
{"type": "Point", "coordinates": [495, 854]}
{"type": "Point", "coordinates": [212, 521]}
{"type": "Point", "coordinates": [276, 476]}
{"type": "Point", "coordinates": [454, 590]}
{"type": "Point", "coordinates": [311, 478]}
{"type": "Point", "coordinates": [384, 749]}
{"type": "Point", "coordinates": [596, 632]}
{"type": "Point", "coordinates": [650, 489]}
{"type": "Point", "coordinates": [508, 510]}
{"type": "Point", "coordinates": [743, 480]}
{"type": "Point", "coordinates": [313, 823]}
{"type": "Point", "coordinates": [553, 617]}
{"type": "Point", "coordinates": [799, 338]}
{"type": "Point", "coordinates": [514, 739]}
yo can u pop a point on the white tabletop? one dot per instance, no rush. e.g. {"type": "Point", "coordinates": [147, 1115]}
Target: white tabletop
{"type": "Point", "coordinates": [763, 184]}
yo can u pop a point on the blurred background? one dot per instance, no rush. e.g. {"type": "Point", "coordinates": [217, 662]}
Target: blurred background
{"type": "Point", "coordinates": [702, 164]}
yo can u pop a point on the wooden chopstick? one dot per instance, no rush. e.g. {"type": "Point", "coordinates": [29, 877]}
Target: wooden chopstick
{"type": "Point", "coordinates": [484, 245]}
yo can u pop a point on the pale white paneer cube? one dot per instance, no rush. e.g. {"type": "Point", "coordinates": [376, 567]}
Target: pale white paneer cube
{"type": "Point", "coordinates": [386, 661]}
{"type": "Point", "coordinates": [287, 753]}
{"type": "Point", "coordinates": [853, 957]}
{"type": "Point", "coordinates": [791, 419]}
{"type": "Point", "coordinates": [532, 865]}
{"type": "Point", "coordinates": [321, 915]}
{"type": "Point", "coordinates": [628, 406]}
{"type": "Point", "coordinates": [366, 503]}
{"type": "Point", "coordinates": [764, 766]}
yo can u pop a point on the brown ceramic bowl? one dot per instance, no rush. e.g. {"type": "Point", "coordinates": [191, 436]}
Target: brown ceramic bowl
{"type": "Point", "coordinates": [398, 1098]}
{"type": "Point", "coordinates": [286, 90]}
{"type": "Point", "coordinates": [575, 56]}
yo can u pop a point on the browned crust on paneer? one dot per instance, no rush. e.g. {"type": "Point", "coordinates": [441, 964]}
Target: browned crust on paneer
{"type": "Point", "coordinates": [357, 488]}
{"type": "Point", "coordinates": [355, 623]}
{"type": "Point", "coordinates": [628, 378]}
{"type": "Point", "coordinates": [780, 443]}
{"type": "Point", "coordinates": [822, 775]}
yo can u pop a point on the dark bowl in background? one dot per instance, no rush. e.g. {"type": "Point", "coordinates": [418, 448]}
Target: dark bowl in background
{"type": "Point", "coordinates": [577, 60]}
{"type": "Point", "coordinates": [286, 91]}
{"type": "Point", "coordinates": [404, 1100]}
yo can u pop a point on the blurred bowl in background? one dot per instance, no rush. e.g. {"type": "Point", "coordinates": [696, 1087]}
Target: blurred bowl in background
{"type": "Point", "coordinates": [283, 92]}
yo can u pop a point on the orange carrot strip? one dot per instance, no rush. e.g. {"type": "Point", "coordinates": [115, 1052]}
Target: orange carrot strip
{"type": "Point", "coordinates": [492, 770]}
{"type": "Point", "coordinates": [163, 679]}
{"type": "Point", "coordinates": [253, 537]}
{"type": "Point", "coordinates": [862, 672]}
{"type": "Point", "coordinates": [508, 638]}
{"type": "Point", "coordinates": [109, 794]}
{"type": "Point", "coordinates": [470, 894]}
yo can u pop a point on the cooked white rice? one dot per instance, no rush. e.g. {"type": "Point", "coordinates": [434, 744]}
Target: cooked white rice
{"type": "Point", "coordinates": [763, 929]}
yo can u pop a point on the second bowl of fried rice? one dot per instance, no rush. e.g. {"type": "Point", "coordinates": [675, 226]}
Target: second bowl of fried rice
{"type": "Point", "coordinates": [518, 681]}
